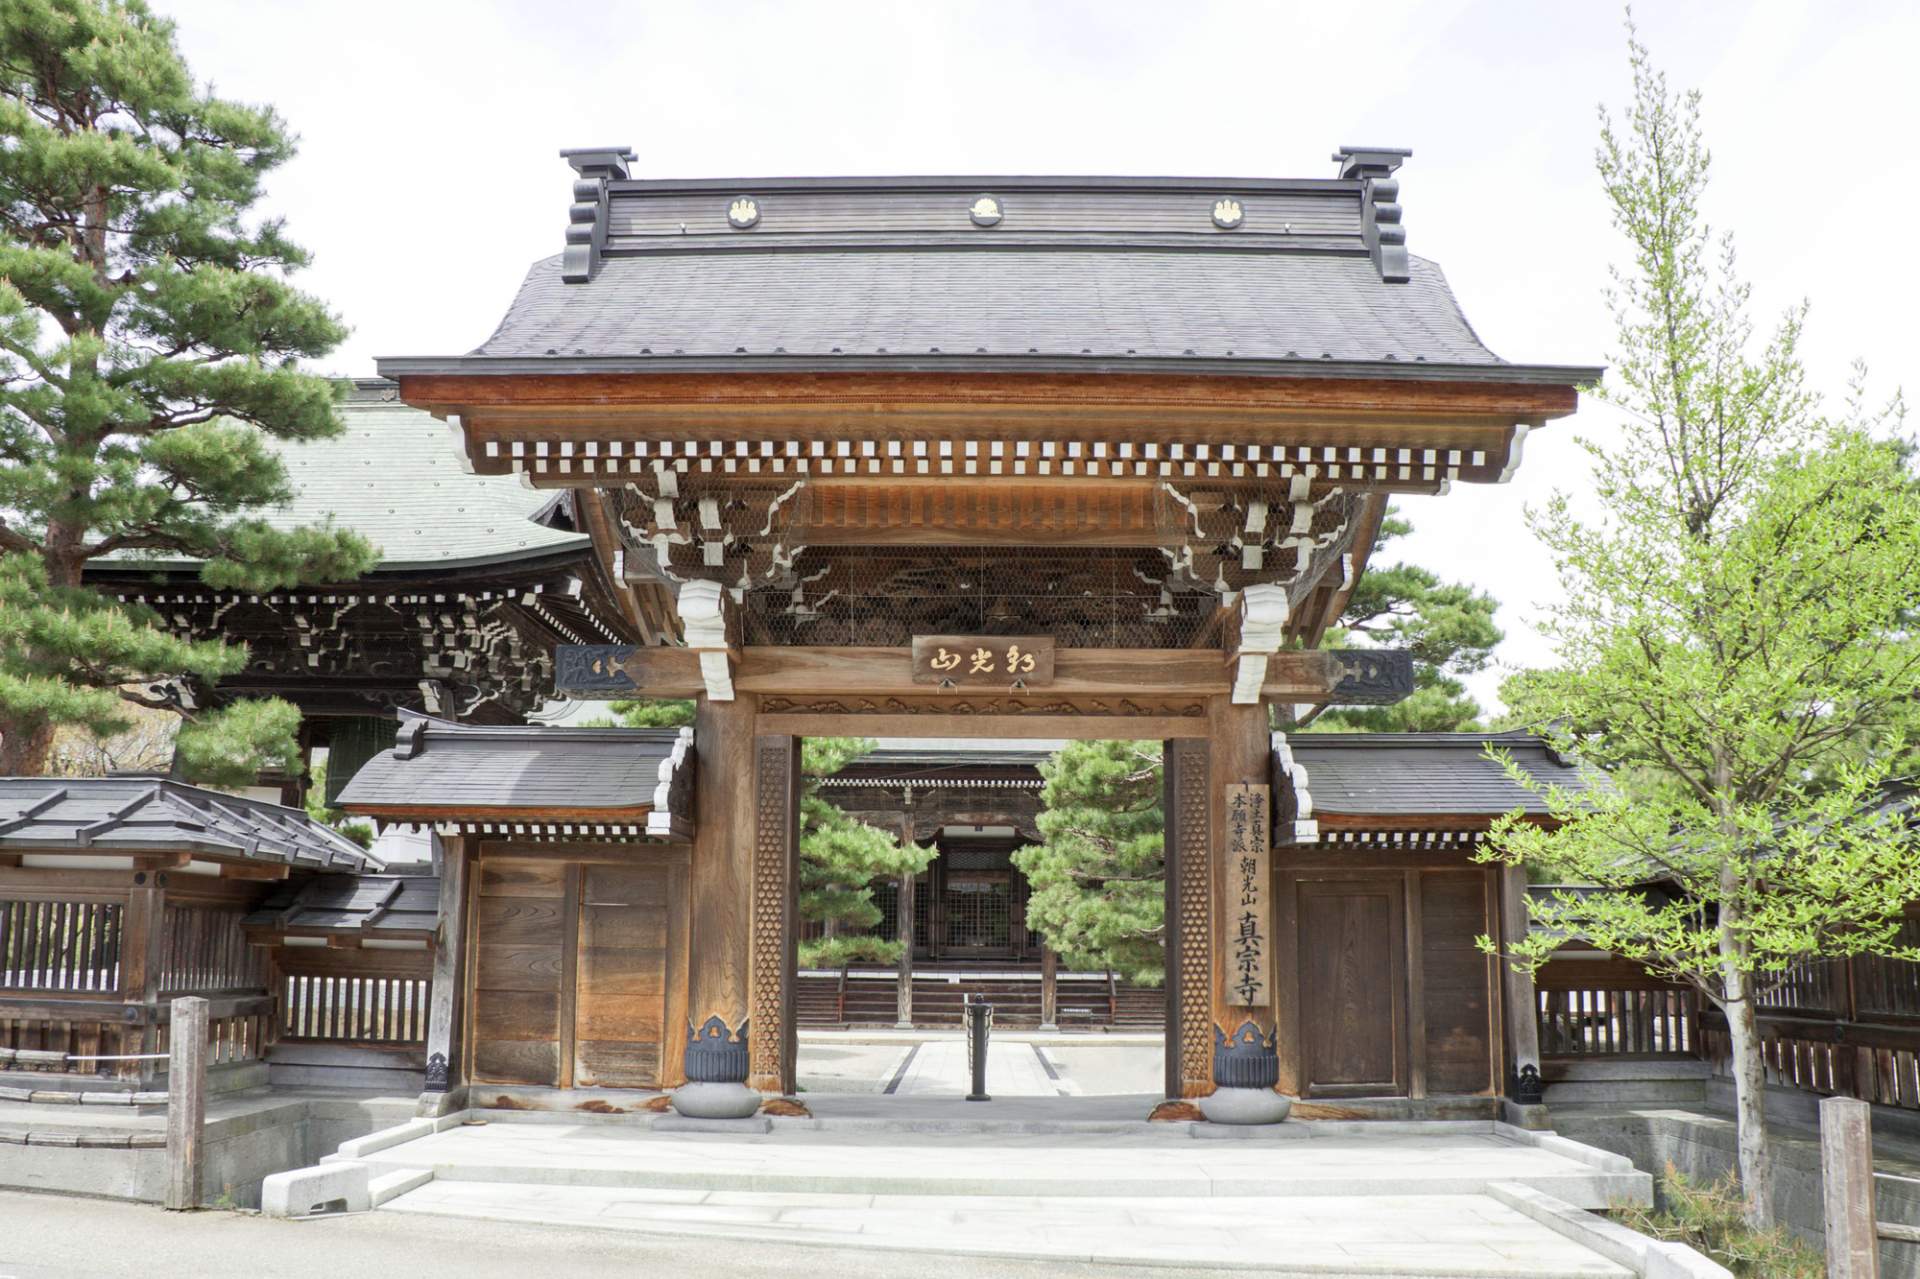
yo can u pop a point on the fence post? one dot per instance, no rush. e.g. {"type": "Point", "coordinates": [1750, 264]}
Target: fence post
{"type": "Point", "coordinates": [186, 1100]}
{"type": "Point", "coordinates": [1846, 1174]}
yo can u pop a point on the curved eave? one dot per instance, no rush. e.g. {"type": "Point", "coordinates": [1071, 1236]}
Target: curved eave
{"type": "Point", "coordinates": [401, 367]}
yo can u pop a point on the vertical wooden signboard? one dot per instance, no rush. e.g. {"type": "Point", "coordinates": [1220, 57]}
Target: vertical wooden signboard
{"type": "Point", "coordinates": [1249, 910]}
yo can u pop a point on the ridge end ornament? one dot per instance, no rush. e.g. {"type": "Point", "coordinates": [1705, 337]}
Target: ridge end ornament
{"type": "Point", "coordinates": [743, 212]}
{"type": "Point", "coordinates": [1228, 213]}
{"type": "Point", "coordinates": [985, 210]}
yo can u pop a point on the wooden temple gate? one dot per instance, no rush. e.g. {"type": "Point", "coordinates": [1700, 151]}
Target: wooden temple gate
{"type": "Point", "coordinates": [991, 457]}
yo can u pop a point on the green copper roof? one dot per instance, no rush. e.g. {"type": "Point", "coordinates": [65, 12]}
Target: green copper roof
{"type": "Point", "coordinates": [396, 477]}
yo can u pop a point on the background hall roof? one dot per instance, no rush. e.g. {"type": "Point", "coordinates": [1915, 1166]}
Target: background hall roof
{"type": "Point", "coordinates": [395, 477]}
{"type": "Point", "coordinates": [1419, 774]}
{"type": "Point", "coordinates": [123, 815]}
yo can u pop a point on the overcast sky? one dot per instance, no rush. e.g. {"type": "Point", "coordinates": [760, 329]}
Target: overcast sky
{"type": "Point", "coordinates": [428, 180]}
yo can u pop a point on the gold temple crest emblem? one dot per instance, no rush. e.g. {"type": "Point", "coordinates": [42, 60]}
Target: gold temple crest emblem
{"type": "Point", "coordinates": [743, 212]}
{"type": "Point", "coordinates": [985, 211]}
{"type": "Point", "coordinates": [1227, 213]}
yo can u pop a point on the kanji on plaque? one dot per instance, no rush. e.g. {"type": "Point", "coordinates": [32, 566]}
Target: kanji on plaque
{"type": "Point", "coordinates": [1002, 661]}
{"type": "Point", "coordinates": [1249, 912]}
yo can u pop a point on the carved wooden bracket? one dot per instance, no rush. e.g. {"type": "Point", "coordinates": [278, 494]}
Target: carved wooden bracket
{"type": "Point", "coordinates": [703, 620]}
{"type": "Point", "coordinates": [1263, 629]}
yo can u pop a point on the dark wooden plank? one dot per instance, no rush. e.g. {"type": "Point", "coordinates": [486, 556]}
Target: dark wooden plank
{"type": "Point", "coordinates": [1353, 1013]}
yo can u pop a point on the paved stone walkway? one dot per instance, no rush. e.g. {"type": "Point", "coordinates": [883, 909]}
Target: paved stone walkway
{"type": "Point", "coordinates": [1434, 1235]}
{"type": "Point", "coordinates": [939, 1068]}
{"type": "Point", "coordinates": [1332, 1199]}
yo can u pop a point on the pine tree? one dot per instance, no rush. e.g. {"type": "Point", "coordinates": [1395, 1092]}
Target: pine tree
{"type": "Point", "coordinates": [1447, 626]}
{"type": "Point", "coordinates": [841, 859]}
{"type": "Point", "coordinates": [149, 348]}
{"type": "Point", "coordinates": [1098, 875]}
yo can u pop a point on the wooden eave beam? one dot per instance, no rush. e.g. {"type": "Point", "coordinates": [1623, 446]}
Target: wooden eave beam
{"type": "Point", "coordinates": [1141, 397]}
{"type": "Point", "coordinates": [1292, 675]}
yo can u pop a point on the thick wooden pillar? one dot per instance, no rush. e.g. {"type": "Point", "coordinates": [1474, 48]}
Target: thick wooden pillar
{"type": "Point", "coordinates": [1241, 746]}
{"type": "Point", "coordinates": [1189, 914]}
{"type": "Point", "coordinates": [1049, 988]}
{"type": "Point", "coordinates": [140, 960]}
{"type": "Point", "coordinates": [721, 870]}
{"type": "Point", "coordinates": [903, 928]}
{"type": "Point", "coordinates": [447, 1068]}
{"type": "Point", "coordinates": [775, 1039]}
{"type": "Point", "coordinates": [1521, 1013]}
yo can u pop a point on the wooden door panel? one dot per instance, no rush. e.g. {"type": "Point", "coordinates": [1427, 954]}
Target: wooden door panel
{"type": "Point", "coordinates": [1352, 987]}
{"type": "Point", "coordinates": [620, 984]}
{"type": "Point", "coordinates": [519, 959]}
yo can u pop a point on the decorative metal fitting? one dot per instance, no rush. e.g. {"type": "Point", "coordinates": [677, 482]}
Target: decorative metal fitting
{"type": "Point", "coordinates": [1245, 1059]}
{"type": "Point", "coordinates": [1525, 1087]}
{"type": "Point", "coordinates": [743, 212]}
{"type": "Point", "coordinates": [715, 1054]}
{"type": "Point", "coordinates": [437, 1074]}
{"type": "Point", "coordinates": [986, 210]}
{"type": "Point", "coordinates": [1228, 213]}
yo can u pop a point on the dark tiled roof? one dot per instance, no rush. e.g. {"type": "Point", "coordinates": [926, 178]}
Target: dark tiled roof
{"type": "Point", "coordinates": [367, 905]}
{"type": "Point", "coordinates": [1080, 274]}
{"type": "Point", "coordinates": [1415, 774]}
{"type": "Point", "coordinates": [126, 815]}
{"type": "Point", "coordinates": [916, 306]}
{"type": "Point", "coordinates": [471, 772]}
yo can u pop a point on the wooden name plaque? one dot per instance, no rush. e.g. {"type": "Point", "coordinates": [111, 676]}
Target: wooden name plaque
{"type": "Point", "coordinates": [1249, 911]}
{"type": "Point", "coordinates": [998, 661]}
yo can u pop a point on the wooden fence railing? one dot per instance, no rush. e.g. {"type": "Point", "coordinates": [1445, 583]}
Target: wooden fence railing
{"type": "Point", "coordinates": [37, 1034]}
{"type": "Point", "coordinates": [342, 1008]}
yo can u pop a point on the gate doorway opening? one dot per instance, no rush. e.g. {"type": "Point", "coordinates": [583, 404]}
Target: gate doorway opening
{"type": "Point", "coordinates": [964, 935]}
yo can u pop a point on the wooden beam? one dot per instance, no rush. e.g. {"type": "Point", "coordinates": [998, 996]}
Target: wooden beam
{"type": "Point", "coordinates": [864, 397]}
{"type": "Point", "coordinates": [254, 870]}
{"type": "Point", "coordinates": [1023, 727]}
{"type": "Point", "coordinates": [1293, 676]}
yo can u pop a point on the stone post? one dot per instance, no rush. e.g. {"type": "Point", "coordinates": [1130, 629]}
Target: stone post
{"type": "Point", "coordinates": [186, 1101]}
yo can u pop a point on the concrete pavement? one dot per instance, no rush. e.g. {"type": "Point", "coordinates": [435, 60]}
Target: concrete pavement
{"type": "Point", "coordinates": [53, 1237]}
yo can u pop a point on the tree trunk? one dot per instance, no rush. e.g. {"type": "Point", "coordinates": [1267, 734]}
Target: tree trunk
{"type": "Point", "coordinates": [25, 748]}
{"type": "Point", "coordinates": [1749, 1096]}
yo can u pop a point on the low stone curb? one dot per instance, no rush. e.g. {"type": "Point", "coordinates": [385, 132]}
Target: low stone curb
{"type": "Point", "coordinates": [87, 1141]}
{"type": "Point", "coordinates": [50, 1097]}
{"type": "Point", "coordinates": [1646, 1257]}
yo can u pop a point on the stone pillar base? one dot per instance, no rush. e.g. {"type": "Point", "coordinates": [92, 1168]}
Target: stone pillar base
{"type": "Point", "coordinates": [1245, 1106]}
{"type": "Point", "coordinates": [715, 1101]}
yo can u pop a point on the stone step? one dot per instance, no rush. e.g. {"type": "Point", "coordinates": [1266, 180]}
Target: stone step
{"type": "Point", "coordinates": [391, 1185]}
{"type": "Point", "coordinates": [1432, 1236]}
{"type": "Point", "coordinates": [1429, 1162]}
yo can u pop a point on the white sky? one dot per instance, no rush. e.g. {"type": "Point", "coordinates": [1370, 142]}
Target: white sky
{"type": "Point", "coordinates": [428, 179]}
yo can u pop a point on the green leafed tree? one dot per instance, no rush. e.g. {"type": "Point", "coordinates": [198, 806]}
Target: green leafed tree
{"type": "Point", "coordinates": [149, 351]}
{"type": "Point", "coordinates": [1447, 626]}
{"type": "Point", "coordinates": [841, 857]}
{"type": "Point", "coordinates": [1098, 875]}
{"type": "Point", "coordinates": [1733, 635]}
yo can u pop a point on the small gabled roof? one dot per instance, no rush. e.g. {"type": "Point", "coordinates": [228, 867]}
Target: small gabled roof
{"type": "Point", "coordinates": [357, 905]}
{"type": "Point", "coordinates": [1418, 775]}
{"type": "Point", "coordinates": [146, 814]}
{"type": "Point", "coordinates": [468, 774]}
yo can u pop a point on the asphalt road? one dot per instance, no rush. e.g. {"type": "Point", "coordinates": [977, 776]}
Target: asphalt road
{"type": "Point", "coordinates": [52, 1237]}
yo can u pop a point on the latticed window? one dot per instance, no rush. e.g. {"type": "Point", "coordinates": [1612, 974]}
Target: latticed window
{"type": "Point", "coordinates": [60, 945]}
{"type": "Point", "coordinates": [978, 917]}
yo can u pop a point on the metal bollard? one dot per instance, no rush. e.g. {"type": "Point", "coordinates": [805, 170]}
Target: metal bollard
{"type": "Point", "coordinates": [979, 1023]}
